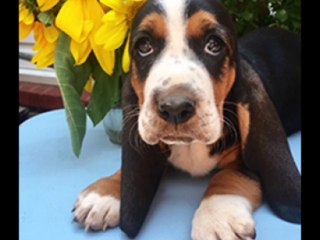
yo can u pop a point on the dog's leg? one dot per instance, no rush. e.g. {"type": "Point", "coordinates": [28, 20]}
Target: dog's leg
{"type": "Point", "coordinates": [98, 206]}
{"type": "Point", "coordinates": [225, 212]}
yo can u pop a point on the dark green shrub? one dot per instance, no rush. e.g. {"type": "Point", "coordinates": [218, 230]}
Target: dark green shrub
{"type": "Point", "coordinates": [251, 14]}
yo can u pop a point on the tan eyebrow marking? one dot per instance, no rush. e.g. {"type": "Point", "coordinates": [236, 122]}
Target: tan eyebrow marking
{"type": "Point", "coordinates": [155, 23]}
{"type": "Point", "coordinates": [197, 22]}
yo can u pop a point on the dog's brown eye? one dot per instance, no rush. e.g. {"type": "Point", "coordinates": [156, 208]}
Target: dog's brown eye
{"type": "Point", "coordinates": [144, 47]}
{"type": "Point", "coordinates": [213, 46]}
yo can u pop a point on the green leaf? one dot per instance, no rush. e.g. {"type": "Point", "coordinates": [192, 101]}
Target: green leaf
{"type": "Point", "coordinates": [247, 16]}
{"type": "Point", "coordinates": [105, 93]}
{"type": "Point", "coordinates": [71, 81]}
{"type": "Point", "coordinates": [46, 18]}
{"type": "Point", "coordinates": [282, 15]}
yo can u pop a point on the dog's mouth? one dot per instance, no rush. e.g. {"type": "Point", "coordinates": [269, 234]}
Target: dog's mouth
{"type": "Point", "coordinates": [177, 140]}
{"type": "Point", "coordinates": [205, 130]}
{"type": "Point", "coordinates": [166, 121]}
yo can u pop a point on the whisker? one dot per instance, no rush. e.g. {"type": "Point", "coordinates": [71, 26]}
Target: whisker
{"type": "Point", "coordinates": [132, 138]}
{"type": "Point", "coordinates": [235, 104]}
{"type": "Point", "coordinates": [233, 131]}
{"type": "Point", "coordinates": [230, 111]}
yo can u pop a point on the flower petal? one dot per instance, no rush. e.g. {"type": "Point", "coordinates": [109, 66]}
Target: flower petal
{"type": "Point", "coordinates": [45, 56]}
{"type": "Point", "coordinates": [114, 18]}
{"type": "Point", "coordinates": [135, 2]}
{"type": "Point", "coordinates": [70, 19]}
{"type": "Point", "coordinates": [78, 18]}
{"type": "Point", "coordinates": [111, 34]}
{"type": "Point", "coordinates": [46, 5]}
{"type": "Point", "coordinates": [25, 15]}
{"type": "Point", "coordinates": [126, 56]}
{"type": "Point", "coordinates": [117, 5]}
{"type": "Point", "coordinates": [24, 30]}
{"type": "Point", "coordinates": [29, 19]}
{"type": "Point", "coordinates": [105, 58]}
{"type": "Point", "coordinates": [23, 12]}
{"type": "Point", "coordinates": [80, 51]}
{"type": "Point", "coordinates": [38, 35]}
{"type": "Point", "coordinates": [89, 85]}
{"type": "Point", "coordinates": [94, 12]}
{"type": "Point", "coordinates": [40, 43]}
{"type": "Point", "coordinates": [51, 33]}
{"type": "Point", "coordinates": [44, 61]}
{"type": "Point", "coordinates": [86, 29]}
{"type": "Point", "coordinates": [116, 37]}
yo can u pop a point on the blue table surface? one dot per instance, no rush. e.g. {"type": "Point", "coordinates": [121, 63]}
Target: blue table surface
{"type": "Point", "coordinates": [50, 178]}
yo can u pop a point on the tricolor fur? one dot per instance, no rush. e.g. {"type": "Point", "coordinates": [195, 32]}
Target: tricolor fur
{"type": "Point", "coordinates": [201, 100]}
{"type": "Point", "coordinates": [178, 65]}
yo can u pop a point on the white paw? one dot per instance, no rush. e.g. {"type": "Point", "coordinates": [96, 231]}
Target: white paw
{"type": "Point", "coordinates": [223, 217]}
{"type": "Point", "coordinates": [96, 212]}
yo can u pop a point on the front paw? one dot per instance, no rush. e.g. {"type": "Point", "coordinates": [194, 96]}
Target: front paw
{"type": "Point", "coordinates": [223, 217]}
{"type": "Point", "coordinates": [97, 212]}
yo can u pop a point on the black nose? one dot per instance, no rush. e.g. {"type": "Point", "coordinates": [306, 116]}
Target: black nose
{"type": "Point", "coordinates": [176, 109]}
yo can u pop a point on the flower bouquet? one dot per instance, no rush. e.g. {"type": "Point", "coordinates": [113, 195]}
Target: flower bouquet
{"type": "Point", "coordinates": [87, 42]}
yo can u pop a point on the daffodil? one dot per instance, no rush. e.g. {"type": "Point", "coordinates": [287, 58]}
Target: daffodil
{"type": "Point", "coordinates": [46, 5]}
{"type": "Point", "coordinates": [116, 26]}
{"type": "Point", "coordinates": [80, 19]}
{"type": "Point", "coordinates": [45, 44]}
{"type": "Point", "coordinates": [26, 21]}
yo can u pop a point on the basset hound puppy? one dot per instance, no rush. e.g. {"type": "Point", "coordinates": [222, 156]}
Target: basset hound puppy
{"type": "Point", "coordinates": [199, 99]}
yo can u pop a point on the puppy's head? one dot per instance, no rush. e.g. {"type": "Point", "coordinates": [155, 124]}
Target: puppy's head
{"type": "Point", "coordinates": [182, 68]}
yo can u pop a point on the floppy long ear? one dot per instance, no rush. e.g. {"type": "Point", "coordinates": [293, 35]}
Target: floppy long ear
{"type": "Point", "coordinates": [141, 171]}
{"type": "Point", "coordinates": [265, 146]}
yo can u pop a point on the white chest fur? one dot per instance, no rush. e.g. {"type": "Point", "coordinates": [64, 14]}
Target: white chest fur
{"type": "Point", "coordinates": [193, 158]}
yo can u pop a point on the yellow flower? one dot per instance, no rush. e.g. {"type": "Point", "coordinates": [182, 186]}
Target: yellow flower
{"type": "Point", "coordinates": [89, 85]}
{"type": "Point", "coordinates": [115, 26]}
{"type": "Point", "coordinates": [26, 21]}
{"type": "Point", "coordinates": [126, 56]}
{"type": "Point", "coordinates": [46, 5]}
{"type": "Point", "coordinates": [46, 39]}
{"type": "Point", "coordinates": [80, 19]}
